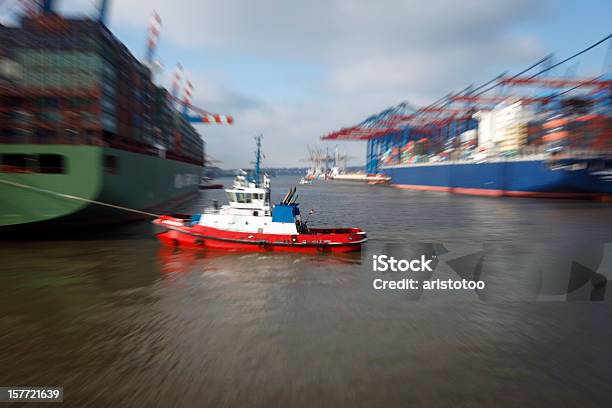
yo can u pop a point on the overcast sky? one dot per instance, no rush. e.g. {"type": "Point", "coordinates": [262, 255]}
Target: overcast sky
{"type": "Point", "coordinates": [297, 70]}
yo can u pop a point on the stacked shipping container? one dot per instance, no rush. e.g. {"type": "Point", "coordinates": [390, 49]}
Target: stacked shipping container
{"type": "Point", "coordinates": [77, 83]}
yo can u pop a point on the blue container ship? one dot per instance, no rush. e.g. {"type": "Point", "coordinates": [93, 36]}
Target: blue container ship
{"type": "Point", "coordinates": [512, 150]}
{"type": "Point", "coordinates": [498, 146]}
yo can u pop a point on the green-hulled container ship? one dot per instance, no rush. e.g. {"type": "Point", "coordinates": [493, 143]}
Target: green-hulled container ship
{"type": "Point", "coordinates": [81, 116]}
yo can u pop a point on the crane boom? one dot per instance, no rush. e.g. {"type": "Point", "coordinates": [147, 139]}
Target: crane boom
{"type": "Point", "coordinates": [557, 82]}
{"type": "Point", "coordinates": [201, 115]}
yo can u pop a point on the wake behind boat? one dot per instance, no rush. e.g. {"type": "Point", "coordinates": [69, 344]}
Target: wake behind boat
{"type": "Point", "coordinates": [251, 222]}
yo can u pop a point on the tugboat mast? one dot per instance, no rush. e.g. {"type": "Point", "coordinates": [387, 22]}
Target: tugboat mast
{"type": "Point", "coordinates": [258, 160]}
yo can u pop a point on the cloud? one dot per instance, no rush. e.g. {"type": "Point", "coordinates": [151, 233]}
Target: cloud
{"type": "Point", "coordinates": [372, 54]}
{"type": "Point", "coordinates": [287, 130]}
{"type": "Point", "coordinates": [430, 73]}
{"type": "Point", "coordinates": [326, 29]}
{"type": "Point", "coordinates": [211, 93]}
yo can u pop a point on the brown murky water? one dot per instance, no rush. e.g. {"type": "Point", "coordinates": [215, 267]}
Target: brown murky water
{"type": "Point", "coordinates": [118, 320]}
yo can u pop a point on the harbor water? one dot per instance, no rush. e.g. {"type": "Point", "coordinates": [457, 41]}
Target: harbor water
{"type": "Point", "coordinates": [118, 320]}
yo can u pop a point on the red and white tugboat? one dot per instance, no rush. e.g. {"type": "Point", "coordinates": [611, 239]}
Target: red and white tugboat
{"type": "Point", "coordinates": [251, 223]}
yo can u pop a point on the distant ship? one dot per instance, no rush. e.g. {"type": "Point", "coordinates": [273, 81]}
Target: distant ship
{"type": "Point", "coordinates": [80, 116]}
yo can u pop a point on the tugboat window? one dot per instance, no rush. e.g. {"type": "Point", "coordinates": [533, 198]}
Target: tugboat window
{"type": "Point", "coordinates": [51, 163]}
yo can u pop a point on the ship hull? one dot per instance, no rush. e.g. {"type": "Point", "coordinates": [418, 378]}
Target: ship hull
{"type": "Point", "coordinates": [121, 178]}
{"type": "Point", "coordinates": [173, 232]}
{"type": "Point", "coordinates": [571, 178]}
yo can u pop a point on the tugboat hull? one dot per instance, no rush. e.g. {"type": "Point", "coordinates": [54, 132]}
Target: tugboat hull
{"type": "Point", "coordinates": [174, 232]}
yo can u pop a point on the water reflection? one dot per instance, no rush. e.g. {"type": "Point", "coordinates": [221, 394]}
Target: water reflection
{"type": "Point", "coordinates": [174, 261]}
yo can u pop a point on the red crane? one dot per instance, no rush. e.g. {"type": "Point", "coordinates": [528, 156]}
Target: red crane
{"type": "Point", "coordinates": [494, 99]}
{"type": "Point", "coordinates": [557, 82]}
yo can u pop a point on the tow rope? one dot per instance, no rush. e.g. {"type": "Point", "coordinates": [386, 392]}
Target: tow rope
{"type": "Point", "coordinates": [72, 197]}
